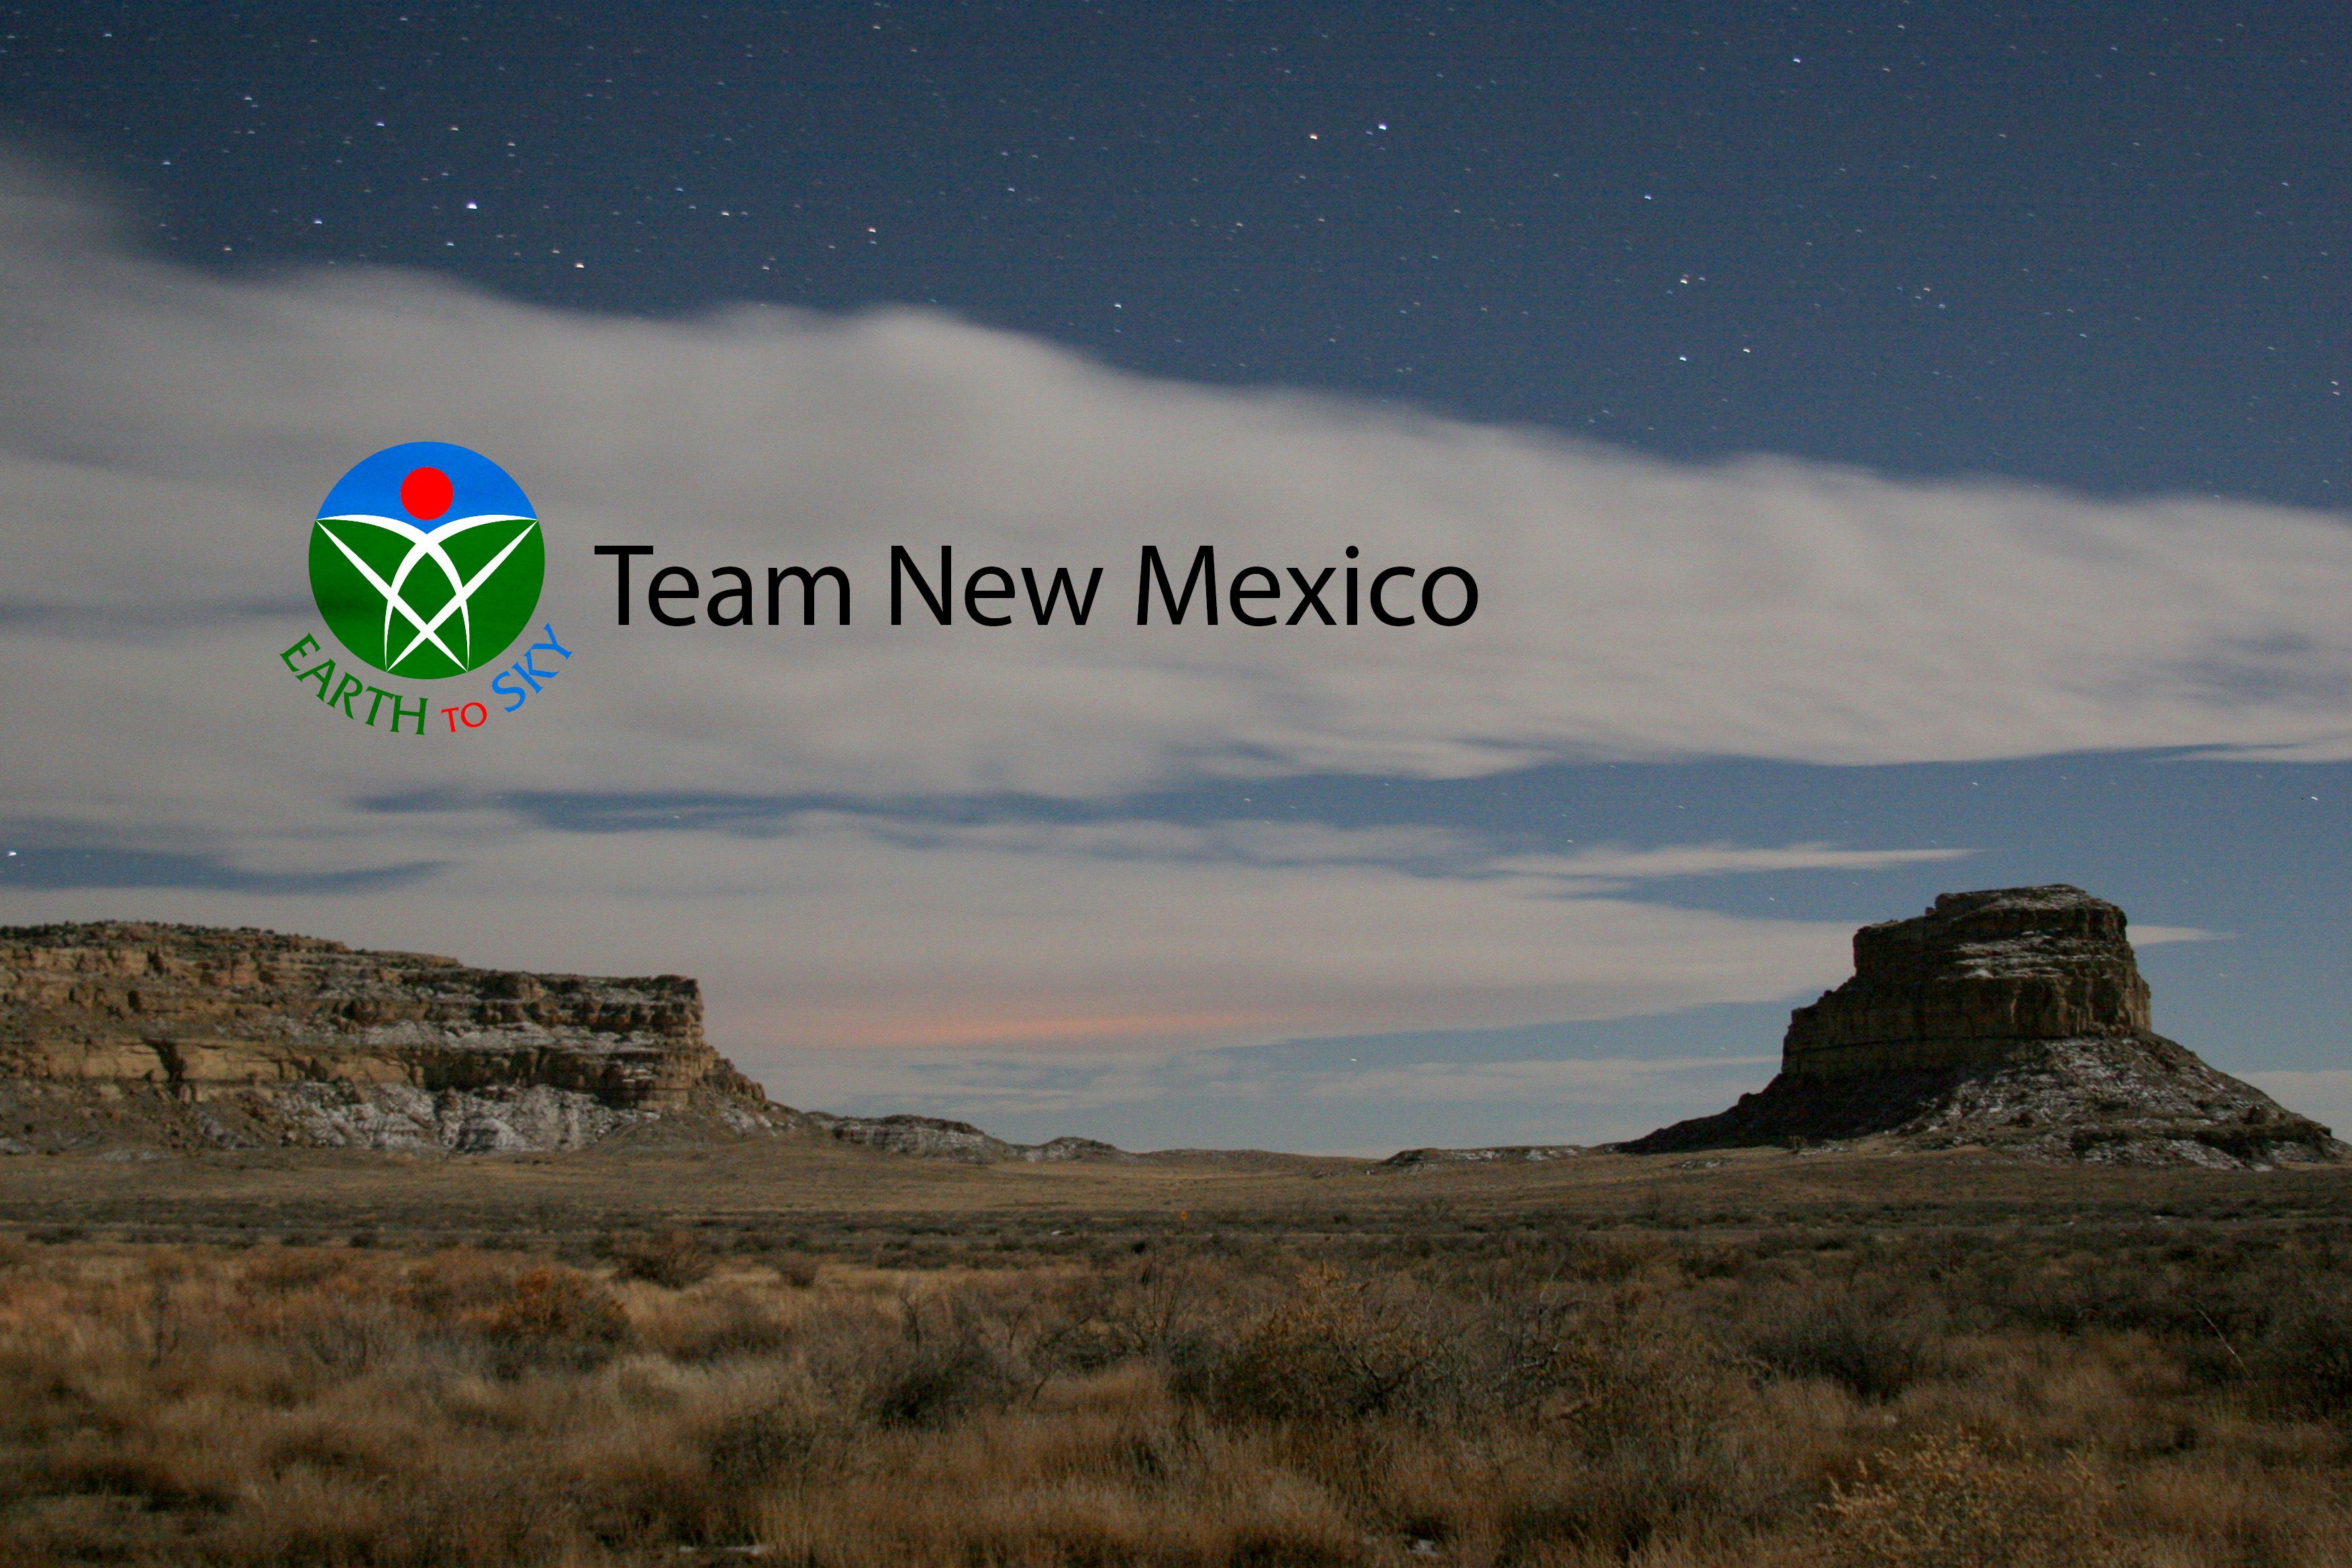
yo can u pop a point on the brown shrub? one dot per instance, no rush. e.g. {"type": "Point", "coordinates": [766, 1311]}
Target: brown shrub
{"type": "Point", "coordinates": [520, 1315]}
{"type": "Point", "coordinates": [445, 1286]}
{"type": "Point", "coordinates": [785, 1439]}
{"type": "Point", "coordinates": [549, 1307]}
{"type": "Point", "coordinates": [952, 1355]}
{"type": "Point", "coordinates": [1948, 1503]}
{"type": "Point", "coordinates": [715, 1324]}
{"type": "Point", "coordinates": [345, 1324]}
{"type": "Point", "coordinates": [1610, 1260]}
{"type": "Point", "coordinates": [1336, 1350]}
{"type": "Point", "coordinates": [1873, 1345]}
{"type": "Point", "coordinates": [1665, 1423]}
{"type": "Point", "coordinates": [2305, 1356]}
{"type": "Point", "coordinates": [675, 1258]}
{"type": "Point", "coordinates": [284, 1269]}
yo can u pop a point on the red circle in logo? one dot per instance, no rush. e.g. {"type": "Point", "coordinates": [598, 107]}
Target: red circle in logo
{"type": "Point", "coordinates": [426, 493]}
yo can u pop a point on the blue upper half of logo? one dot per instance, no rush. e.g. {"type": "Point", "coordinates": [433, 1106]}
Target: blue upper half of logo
{"type": "Point", "coordinates": [400, 482]}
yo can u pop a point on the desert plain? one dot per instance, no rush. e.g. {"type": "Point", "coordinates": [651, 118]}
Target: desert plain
{"type": "Point", "coordinates": [671, 1347]}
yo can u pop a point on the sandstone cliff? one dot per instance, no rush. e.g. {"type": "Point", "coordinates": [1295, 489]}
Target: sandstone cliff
{"type": "Point", "coordinates": [228, 1037]}
{"type": "Point", "coordinates": [2014, 1017]}
{"type": "Point", "coordinates": [129, 1037]}
{"type": "Point", "coordinates": [1974, 983]}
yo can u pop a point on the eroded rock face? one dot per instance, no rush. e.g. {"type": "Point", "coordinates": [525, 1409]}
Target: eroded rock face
{"type": "Point", "coordinates": [293, 1038]}
{"type": "Point", "coordinates": [2014, 1018]}
{"type": "Point", "coordinates": [1975, 982]}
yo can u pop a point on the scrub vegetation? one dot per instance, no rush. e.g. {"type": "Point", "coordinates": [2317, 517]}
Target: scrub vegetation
{"type": "Point", "coordinates": [1427, 1383]}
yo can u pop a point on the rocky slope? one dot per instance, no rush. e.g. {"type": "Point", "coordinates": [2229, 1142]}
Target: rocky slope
{"type": "Point", "coordinates": [132, 1038]}
{"type": "Point", "coordinates": [2013, 1018]}
{"type": "Point", "coordinates": [189, 1036]}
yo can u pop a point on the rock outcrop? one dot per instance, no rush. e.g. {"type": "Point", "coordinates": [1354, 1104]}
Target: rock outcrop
{"type": "Point", "coordinates": [2014, 1017]}
{"type": "Point", "coordinates": [932, 1137]}
{"type": "Point", "coordinates": [1498, 1154]}
{"type": "Point", "coordinates": [123, 1034]}
{"type": "Point", "coordinates": [195, 1036]}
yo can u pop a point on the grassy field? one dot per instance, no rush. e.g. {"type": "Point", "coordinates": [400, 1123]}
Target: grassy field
{"type": "Point", "coordinates": [799, 1353]}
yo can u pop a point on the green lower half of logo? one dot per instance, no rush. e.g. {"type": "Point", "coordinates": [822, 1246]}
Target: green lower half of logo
{"type": "Point", "coordinates": [422, 604]}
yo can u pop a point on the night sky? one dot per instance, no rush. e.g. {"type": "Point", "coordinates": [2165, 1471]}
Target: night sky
{"type": "Point", "coordinates": [2098, 246]}
{"type": "Point", "coordinates": [2035, 320]}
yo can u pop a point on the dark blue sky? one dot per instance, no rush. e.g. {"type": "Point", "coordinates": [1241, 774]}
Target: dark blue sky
{"type": "Point", "coordinates": [2098, 245]}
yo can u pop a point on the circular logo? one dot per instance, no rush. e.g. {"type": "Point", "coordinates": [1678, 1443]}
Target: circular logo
{"type": "Point", "coordinates": [426, 560]}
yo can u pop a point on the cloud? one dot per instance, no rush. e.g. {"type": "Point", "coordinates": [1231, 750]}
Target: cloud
{"type": "Point", "coordinates": [170, 432]}
{"type": "Point", "coordinates": [1610, 868]}
{"type": "Point", "coordinates": [165, 436]}
{"type": "Point", "coordinates": [2157, 936]}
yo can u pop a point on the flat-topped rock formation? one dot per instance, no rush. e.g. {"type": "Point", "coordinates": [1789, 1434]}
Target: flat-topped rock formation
{"type": "Point", "coordinates": [130, 1036]}
{"type": "Point", "coordinates": [230, 1038]}
{"type": "Point", "coordinates": [1496, 1154]}
{"type": "Point", "coordinates": [2014, 1017]}
{"type": "Point", "coordinates": [935, 1138]}
{"type": "Point", "coordinates": [1972, 982]}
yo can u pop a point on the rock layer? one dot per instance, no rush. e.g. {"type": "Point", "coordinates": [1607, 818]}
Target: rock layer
{"type": "Point", "coordinates": [1974, 983]}
{"type": "Point", "coordinates": [264, 1037]}
{"type": "Point", "coordinates": [2015, 1017]}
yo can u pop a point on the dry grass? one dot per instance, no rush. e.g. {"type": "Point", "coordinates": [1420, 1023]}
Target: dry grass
{"type": "Point", "coordinates": [1439, 1390]}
